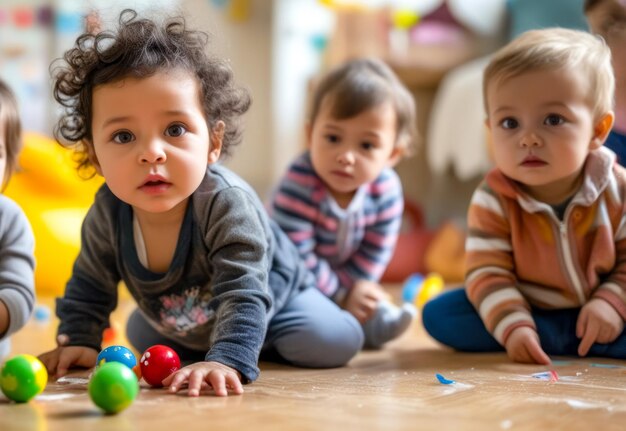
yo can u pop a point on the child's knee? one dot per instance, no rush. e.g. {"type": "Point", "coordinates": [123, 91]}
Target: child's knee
{"type": "Point", "coordinates": [431, 316]}
{"type": "Point", "coordinates": [323, 343]}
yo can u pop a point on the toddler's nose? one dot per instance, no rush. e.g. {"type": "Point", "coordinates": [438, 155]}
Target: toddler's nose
{"type": "Point", "coordinates": [346, 158]}
{"type": "Point", "coordinates": [152, 152]}
{"type": "Point", "coordinates": [531, 139]}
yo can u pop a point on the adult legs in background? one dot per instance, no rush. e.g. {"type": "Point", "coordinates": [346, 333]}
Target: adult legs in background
{"type": "Point", "coordinates": [312, 331]}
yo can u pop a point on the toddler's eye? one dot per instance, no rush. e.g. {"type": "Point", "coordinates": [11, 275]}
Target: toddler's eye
{"type": "Point", "coordinates": [175, 130]}
{"type": "Point", "coordinates": [509, 123]}
{"type": "Point", "coordinates": [367, 145]}
{"type": "Point", "coordinates": [123, 137]}
{"type": "Point", "coordinates": [553, 120]}
{"type": "Point", "coordinates": [332, 138]}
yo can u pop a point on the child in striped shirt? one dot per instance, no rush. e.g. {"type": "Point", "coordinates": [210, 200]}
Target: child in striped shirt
{"type": "Point", "coordinates": [546, 246]}
{"type": "Point", "coordinates": [341, 202]}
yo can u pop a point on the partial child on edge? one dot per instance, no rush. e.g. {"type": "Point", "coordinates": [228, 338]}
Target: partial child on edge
{"type": "Point", "coordinates": [17, 243]}
{"type": "Point", "coordinates": [546, 247]}
{"type": "Point", "coordinates": [608, 19]}
{"type": "Point", "coordinates": [341, 202]}
{"type": "Point", "coordinates": [212, 276]}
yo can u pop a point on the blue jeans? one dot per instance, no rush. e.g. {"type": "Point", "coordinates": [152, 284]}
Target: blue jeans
{"type": "Point", "coordinates": [452, 320]}
{"type": "Point", "coordinates": [309, 331]}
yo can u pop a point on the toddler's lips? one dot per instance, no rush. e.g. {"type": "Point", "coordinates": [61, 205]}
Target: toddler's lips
{"type": "Point", "coordinates": [342, 174]}
{"type": "Point", "coordinates": [155, 187]}
{"type": "Point", "coordinates": [533, 161]}
{"type": "Point", "coordinates": [155, 178]}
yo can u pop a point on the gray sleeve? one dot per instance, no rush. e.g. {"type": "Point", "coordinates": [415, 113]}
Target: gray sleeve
{"type": "Point", "coordinates": [17, 264]}
{"type": "Point", "coordinates": [238, 242]}
{"type": "Point", "coordinates": [91, 293]}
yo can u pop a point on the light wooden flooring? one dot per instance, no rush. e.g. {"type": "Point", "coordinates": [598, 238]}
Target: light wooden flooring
{"type": "Point", "coordinates": [392, 389]}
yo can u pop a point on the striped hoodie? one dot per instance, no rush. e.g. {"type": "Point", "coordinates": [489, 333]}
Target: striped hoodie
{"type": "Point", "coordinates": [339, 245]}
{"type": "Point", "coordinates": [518, 253]}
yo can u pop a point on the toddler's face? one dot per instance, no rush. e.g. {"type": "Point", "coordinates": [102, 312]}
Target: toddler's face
{"type": "Point", "coordinates": [151, 140]}
{"type": "Point", "coordinates": [350, 152]}
{"type": "Point", "coordinates": [542, 129]}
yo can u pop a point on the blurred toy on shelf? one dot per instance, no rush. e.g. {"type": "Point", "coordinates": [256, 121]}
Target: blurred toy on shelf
{"type": "Point", "coordinates": [446, 252]}
{"type": "Point", "coordinates": [421, 40]}
{"type": "Point", "coordinates": [419, 290]}
{"type": "Point", "coordinates": [42, 313]}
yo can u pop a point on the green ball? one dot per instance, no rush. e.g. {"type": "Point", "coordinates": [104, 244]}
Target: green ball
{"type": "Point", "coordinates": [113, 387]}
{"type": "Point", "coordinates": [23, 377]}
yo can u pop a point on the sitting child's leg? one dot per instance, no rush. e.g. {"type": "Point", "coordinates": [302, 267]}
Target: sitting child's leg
{"type": "Point", "coordinates": [616, 349]}
{"type": "Point", "coordinates": [557, 332]}
{"type": "Point", "coordinates": [452, 320]}
{"type": "Point", "coordinates": [387, 323]}
{"type": "Point", "coordinates": [312, 331]}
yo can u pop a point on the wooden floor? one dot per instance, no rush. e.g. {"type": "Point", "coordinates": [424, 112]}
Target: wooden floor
{"type": "Point", "coordinates": [392, 389]}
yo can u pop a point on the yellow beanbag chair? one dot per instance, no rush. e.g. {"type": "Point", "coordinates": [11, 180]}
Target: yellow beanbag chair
{"type": "Point", "coordinates": [55, 200]}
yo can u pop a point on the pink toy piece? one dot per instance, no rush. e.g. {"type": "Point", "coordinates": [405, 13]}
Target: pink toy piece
{"type": "Point", "coordinates": [158, 362]}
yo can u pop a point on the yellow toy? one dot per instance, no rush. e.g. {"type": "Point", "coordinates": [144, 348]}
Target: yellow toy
{"type": "Point", "coordinates": [431, 287]}
{"type": "Point", "coordinates": [55, 200]}
{"type": "Point", "coordinates": [404, 19]}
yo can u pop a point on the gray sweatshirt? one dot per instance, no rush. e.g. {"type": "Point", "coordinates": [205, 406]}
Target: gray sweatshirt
{"type": "Point", "coordinates": [17, 265]}
{"type": "Point", "coordinates": [232, 270]}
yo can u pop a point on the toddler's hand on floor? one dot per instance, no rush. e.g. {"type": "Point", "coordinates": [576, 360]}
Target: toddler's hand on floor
{"type": "Point", "coordinates": [59, 360]}
{"type": "Point", "coordinates": [202, 374]}
{"type": "Point", "coordinates": [598, 322]}
{"type": "Point", "coordinates": [523, 346]}
{"type": "Point", "coordinates": [363, 299]}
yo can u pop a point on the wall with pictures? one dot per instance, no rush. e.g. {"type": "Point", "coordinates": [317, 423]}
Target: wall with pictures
{"type": "Point", "coordinates": [35, 32]}
{"type": "Point", "coordinates": [26, 42]}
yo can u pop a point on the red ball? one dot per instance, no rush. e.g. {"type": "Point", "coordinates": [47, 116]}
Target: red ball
{"type": "Point", "coordinates": [158, 362]}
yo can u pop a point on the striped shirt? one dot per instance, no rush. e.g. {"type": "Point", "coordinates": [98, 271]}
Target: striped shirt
{"type": "Point", "coordinates": [518, 253]}
{"type": "Point", "coordinates": [340, 245]}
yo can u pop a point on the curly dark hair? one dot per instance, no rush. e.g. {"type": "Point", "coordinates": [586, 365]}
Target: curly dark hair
{"type": "Point", "coordinates": [140, 48]}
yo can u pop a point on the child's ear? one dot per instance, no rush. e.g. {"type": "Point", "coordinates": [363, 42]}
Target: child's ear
{"type": "Point", "coordinates": [308, 134]}
{"type": "Point", "coordinates": [601, 130]}
{"type": "Point", "coordinates": [216, 140]}
{"type": "Point", "coordinates": [396, 155]}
